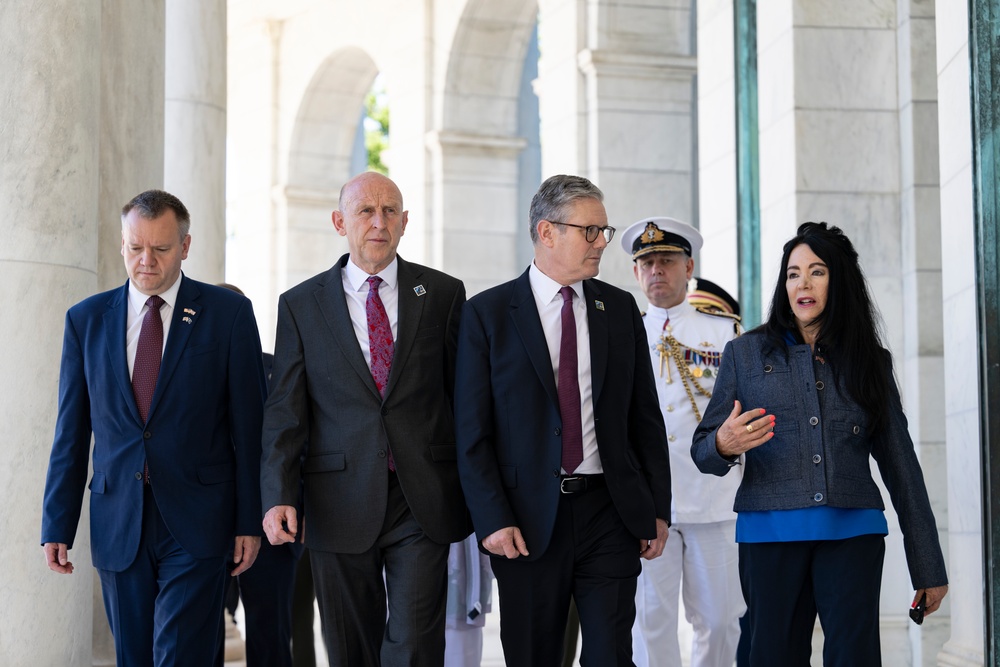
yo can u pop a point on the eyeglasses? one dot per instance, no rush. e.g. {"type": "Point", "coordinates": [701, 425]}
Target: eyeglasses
{"type": "Point", "coordinates": [591, 232]}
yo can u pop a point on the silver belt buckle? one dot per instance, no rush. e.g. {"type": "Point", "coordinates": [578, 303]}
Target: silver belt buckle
{"type": "Point", "coordinates": [562, 484]}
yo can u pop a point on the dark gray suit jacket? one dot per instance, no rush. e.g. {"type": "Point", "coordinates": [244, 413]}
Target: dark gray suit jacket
{"type": "Point", "coordinates": [323, 395]}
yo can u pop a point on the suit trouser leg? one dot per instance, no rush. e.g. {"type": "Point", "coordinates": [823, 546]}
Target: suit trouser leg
{"type": "Point", "coordinates": [164, 609]}
{"type": "Point", "coordinates": [713, 601]}
{"type": "Point", "coordinates": [592, 557]}
{"type": "Point", "coordinates": [654, 634]}
{"type": "Point", "coordinates": [303, 599]}
{"type": "Point", "coordinates": [266, 590]}
{"type": "Point", "coordinates": [352, 595]}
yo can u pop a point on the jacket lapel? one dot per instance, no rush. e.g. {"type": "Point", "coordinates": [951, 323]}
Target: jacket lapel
{"type": "Point", "coordinates": [332, 304]}
{"type": "Point", "coordinates": [524, 313]}
{"type": "Point", "coordinates": [597, 319]}
{"type": "Point", "coordinates": [187, 312]}
{"type": "Point", "coordinates": [410, 307]}
{"type": "Point", "coordinates": [115, 323]}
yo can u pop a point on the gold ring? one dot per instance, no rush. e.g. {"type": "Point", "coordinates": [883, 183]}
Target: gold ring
{"type": "Point", "coordinates": [749, 428]}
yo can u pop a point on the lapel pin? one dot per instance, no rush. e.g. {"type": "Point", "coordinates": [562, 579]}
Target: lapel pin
{"type": "Point", "coordinates": [186, 319]}
{"type": "Point", "coordinates": [189, 311]}
{"type": "Point", "coordinates": [599, 305]}
{"type": "Point", "coordinates": [419, 290]}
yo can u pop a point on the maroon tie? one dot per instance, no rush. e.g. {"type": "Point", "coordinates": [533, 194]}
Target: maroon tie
{"type": "Point", "coordinates": [146, 368]}
{"type": "Point", "coordinates": [379, 341]}
{"type": "Point", "coordinates": [569, 388]}
{"type": "Point", "coordinates": [148, 353]}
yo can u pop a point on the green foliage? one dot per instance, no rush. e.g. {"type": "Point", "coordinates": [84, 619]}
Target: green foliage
{"type": "Point", "coordinates": [376, 129]}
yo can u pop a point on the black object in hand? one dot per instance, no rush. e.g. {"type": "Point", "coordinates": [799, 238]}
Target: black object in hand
{"type": "Point", "coordinates": [917, 613]}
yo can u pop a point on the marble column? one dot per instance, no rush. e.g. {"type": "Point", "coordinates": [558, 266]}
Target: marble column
{"type": "Point", "coordinates": [964, 647]}
{"type": "Point", "coordinates": [49, 142]}
{"type": "Point", "coordinates": [615, 100]}
{"type": "Point", "coordinates": [194, 166]}
{"type": "Point", "coordinates": [921, 359]}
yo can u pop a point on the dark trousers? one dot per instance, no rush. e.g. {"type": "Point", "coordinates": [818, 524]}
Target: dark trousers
{"type": "Point", "coordinates": [303, 619]}
{"type": "Point", "coordinates": [591, 557]}
{"type": "Point", "coordinates": [352, 595]}
{"type": "Point", "coordinates": [164, 609]}
{"type": "Point", "coordinates": [786, 584]}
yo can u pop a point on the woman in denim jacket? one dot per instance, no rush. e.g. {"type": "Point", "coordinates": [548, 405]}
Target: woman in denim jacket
{"type": "Point", "coordinates": [804, 400]}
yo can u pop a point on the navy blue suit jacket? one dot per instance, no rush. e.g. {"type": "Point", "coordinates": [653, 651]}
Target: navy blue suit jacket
{"type": "Point", "coordinates": [508, 422]}
{"type": "Point", "coordinates": [201, 439]}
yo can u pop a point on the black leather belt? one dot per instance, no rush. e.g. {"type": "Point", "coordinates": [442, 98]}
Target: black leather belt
{"type": "Point", "coordinates": [569, 484]}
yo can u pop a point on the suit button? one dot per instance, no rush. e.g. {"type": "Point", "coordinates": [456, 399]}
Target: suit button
{"type": "Point", "coordinates": [558, 431]}
{"type": "Point", "coordinates": [819, 384]}
{"type": "Point", "coordinates": [856, 429]}
{"type": "Point", "coordinates": [138, 475]}
{"type": "Point", "coordinates": [814, 420]}
{"type": "Point", "coordinates": [818, 497]}
{"type": "Point", "coordinates": [555, 473]}
{"type": "Point", "coordinates": [768, 369]}
{"type": "Point", "coordinates": [385, 411]}
{"type": "Point", "coordinates": [817, 458]}
{"type": "Point", "coordinates": [381, 453]}
{"type": "Point", "coordinates": [147, 435]}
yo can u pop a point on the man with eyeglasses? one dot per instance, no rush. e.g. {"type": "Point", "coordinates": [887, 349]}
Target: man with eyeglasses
{"type": "Point", "coordinates": [561, 447]}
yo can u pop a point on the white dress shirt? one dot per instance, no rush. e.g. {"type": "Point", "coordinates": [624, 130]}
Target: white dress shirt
{"type": "Point", "coordinates": [356, 290]}
{"type": "Point", "coordinates": [549, 303]}
{"type": "Point", "coordinates": [137, 311]}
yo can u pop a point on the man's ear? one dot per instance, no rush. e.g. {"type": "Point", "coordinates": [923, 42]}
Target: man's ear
{"type": "Point", "coordinates": [546, 231]}
{"type": "Point", "coordinates": [338, 223]}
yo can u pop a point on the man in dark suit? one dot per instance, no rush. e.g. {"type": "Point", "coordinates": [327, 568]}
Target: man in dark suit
{"type": "Point", "coordinates": [561, 447]}
{"type": "Point", "coordinates": [166, 374]}
{"type": "Point", "coordinates": [364, 367]}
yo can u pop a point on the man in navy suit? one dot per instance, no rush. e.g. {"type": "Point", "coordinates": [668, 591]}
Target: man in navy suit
{"type": "Point", "coordinates": [562, 452]}
{"type": "Point", "coordinates": [165, 373]}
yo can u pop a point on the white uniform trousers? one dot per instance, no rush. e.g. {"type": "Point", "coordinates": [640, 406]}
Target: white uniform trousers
{"type": "Point", "coordinates": [706, 557]}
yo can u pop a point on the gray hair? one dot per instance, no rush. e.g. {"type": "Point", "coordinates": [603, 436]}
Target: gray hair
{"type": "Point", "coordinates": [555, 195]}
{"type": "Point", "coordinates": [154, 203]}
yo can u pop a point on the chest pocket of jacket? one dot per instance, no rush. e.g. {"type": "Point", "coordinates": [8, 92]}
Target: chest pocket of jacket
{"type": "Point", "coordinates": [852, 445]}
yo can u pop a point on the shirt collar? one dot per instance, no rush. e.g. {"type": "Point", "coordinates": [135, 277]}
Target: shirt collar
{"type": "Point", "coordinates": [137, 299]}
{"type": "Point", "coordinates": [681, 309]}
{"type": "Point", "coordinates": [546, 289]}
{"type": "Point", "coordinates": [357, 277]}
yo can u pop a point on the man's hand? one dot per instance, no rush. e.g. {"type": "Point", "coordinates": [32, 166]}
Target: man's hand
{"type": "Point", "coordinates": [650, 549]}
{"type": "Point", "coordinates": [281, 524]}
{"type": "Point", "coordinates": [506, 542]}
{"type": "Point", "coordinates": [56, 557]}
{"type": "Point", "coordinates": [245, 553]}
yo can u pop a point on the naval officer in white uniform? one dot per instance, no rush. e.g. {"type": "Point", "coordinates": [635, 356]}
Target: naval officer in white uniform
{"type": "Point", "coordinates": [685, 345]}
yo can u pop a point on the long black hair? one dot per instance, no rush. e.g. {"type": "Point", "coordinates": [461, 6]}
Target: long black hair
{"type": "Point", "coordinates": [849, 328]}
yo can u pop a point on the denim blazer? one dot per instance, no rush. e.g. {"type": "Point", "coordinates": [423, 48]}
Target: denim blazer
{"type": "Point", "coordinates": [822, 442]}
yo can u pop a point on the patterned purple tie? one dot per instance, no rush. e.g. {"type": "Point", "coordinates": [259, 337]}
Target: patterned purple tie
{"type": "Point", "coordinates": [379, 341]}
{"type": "Point", "coordinates": [146, 368]}
{"type": "Point", "coordinates": [569, 388]}
{"type": "Point", "coordinates": [148, 353]}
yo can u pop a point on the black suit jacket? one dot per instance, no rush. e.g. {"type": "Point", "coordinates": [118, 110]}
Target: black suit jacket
{"type": "Point", "coordinates": [508, 422]}
{"type": "Point", "coordinates": [323, 394]}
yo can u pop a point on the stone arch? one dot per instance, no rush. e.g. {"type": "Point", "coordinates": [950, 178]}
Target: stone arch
{"type": "Point", "coordinates": [319, 162]}
{"type": "Point", "coordinates": [476, 146]}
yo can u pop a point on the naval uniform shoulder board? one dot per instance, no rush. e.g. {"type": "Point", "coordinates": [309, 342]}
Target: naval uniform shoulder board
{"type": "Point", "coordinates": [718, 313]}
